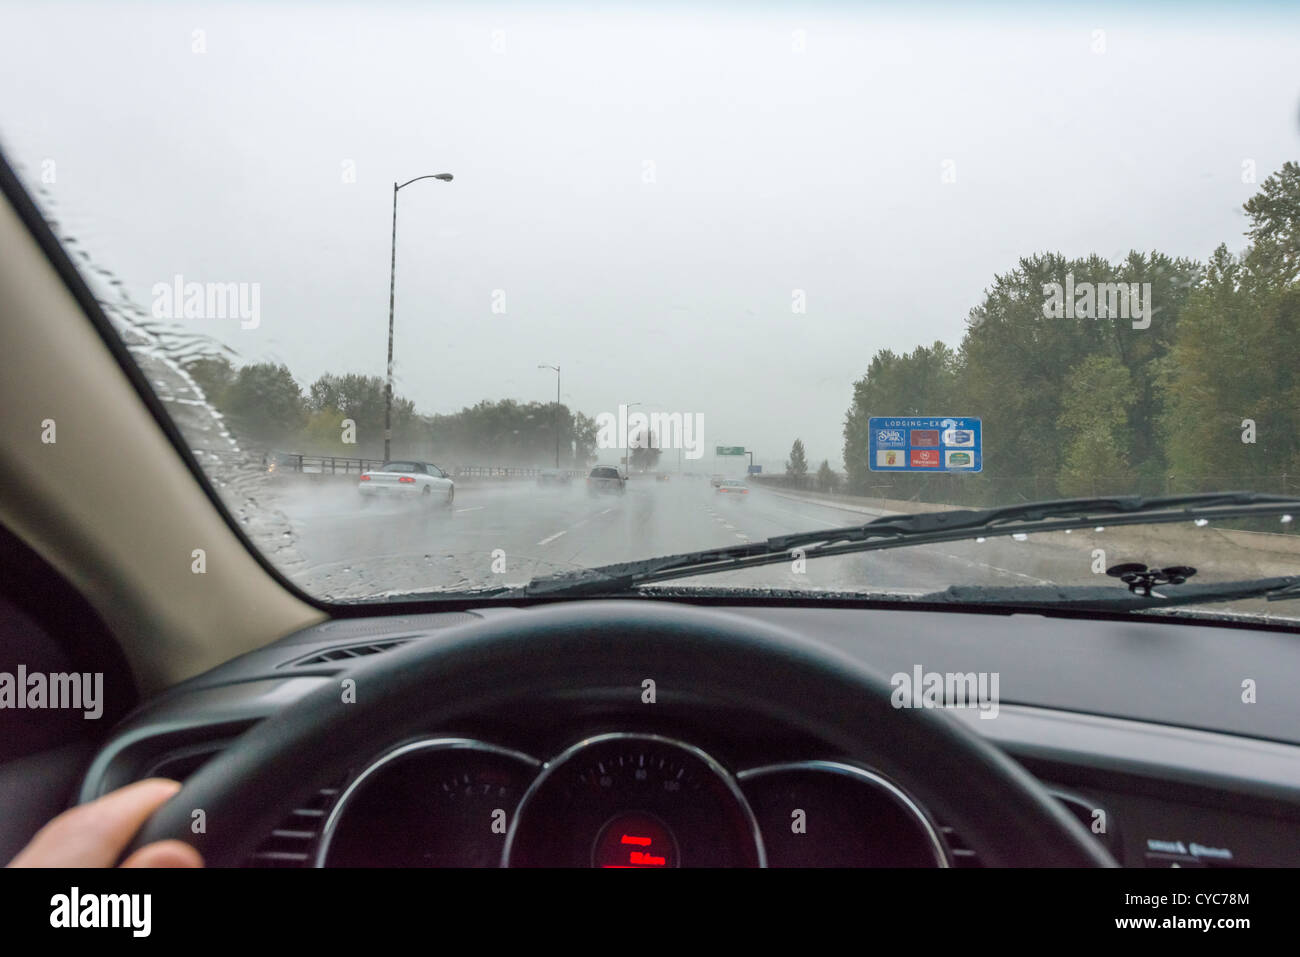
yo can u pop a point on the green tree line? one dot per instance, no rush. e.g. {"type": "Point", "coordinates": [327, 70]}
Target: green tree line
{"type": "Point", "coordinates": [1206, 397]}
{"type": "Point", "coordinates": [343, 415]}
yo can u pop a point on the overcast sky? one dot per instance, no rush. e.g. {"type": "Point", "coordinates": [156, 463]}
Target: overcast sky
{"type": "Point", "coordinates": [646, 187]}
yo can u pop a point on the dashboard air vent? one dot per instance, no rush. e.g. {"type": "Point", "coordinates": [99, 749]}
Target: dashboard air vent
{"type": "Point", "coordinates": [348, 652]}
{"type": "Point", "coordinates": [962, 856]}
{"type": "Point", "coordinates": [293, 842]}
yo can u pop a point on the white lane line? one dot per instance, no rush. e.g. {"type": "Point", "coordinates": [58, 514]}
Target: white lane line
{"type": "Point", "coordinates": [1005, 571]}
{"type": "Point", "coordinates": [550, 538]}
{"type": "Point", "coordinates": [745, 537]}
{"type": "Point", "coordinates": [472, 508]}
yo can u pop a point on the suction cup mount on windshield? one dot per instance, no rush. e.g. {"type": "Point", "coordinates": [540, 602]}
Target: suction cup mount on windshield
{"type": "Point", "coordinates": [1141, 580]}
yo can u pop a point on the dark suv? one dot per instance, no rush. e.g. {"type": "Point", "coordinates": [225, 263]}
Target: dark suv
{"type": "Point", "coordinates": [605, 478]}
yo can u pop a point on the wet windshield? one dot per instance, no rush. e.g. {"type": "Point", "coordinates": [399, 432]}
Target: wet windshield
{"type": "Point", "coordinates": [606, 268]}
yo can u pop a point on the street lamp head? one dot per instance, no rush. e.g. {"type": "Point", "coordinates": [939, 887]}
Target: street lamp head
{"type": "Point", "coordinates": [445, 177]}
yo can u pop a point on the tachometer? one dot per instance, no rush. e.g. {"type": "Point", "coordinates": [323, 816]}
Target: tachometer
{"type": "Point", "coordinates": [831, 814]}
{"type": "Point", "coordinates": [634, 801]}
{"type": "Point", "coordinates": [444, 802]}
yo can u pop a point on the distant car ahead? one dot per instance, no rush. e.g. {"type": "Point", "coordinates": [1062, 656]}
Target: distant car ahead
{"type": "Point", "coordinates": [733, 488]}
{"type": "Point", "coordinates": [605, 478]}
{"type": "Point", "coordinates": [553, 477]}
{"type": "Point", "coordinates": [717, 480]}
{"type": "Point", "coordinates": [278, 463]}
{"type": "Point", "coordinates": [419, 481]}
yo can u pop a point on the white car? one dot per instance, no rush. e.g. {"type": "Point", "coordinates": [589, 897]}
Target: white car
{"type": "Point", "coordinates": [418, 481]}
{"type": "Point", "coordinates": [733, 489]}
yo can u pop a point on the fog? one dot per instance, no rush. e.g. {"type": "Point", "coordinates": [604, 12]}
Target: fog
{"type": "Point", "coordinates": [710, 211]}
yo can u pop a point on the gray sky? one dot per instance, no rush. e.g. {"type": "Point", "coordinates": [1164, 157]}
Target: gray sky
{"type": "Point", "coordinates": [789, 149]}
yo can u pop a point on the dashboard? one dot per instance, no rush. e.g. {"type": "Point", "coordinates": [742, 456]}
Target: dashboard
{"type": "Point", "coordinates": [589, 780]}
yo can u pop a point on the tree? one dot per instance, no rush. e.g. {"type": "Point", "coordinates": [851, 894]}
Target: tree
{"type": "Point", "coordinates": [1231, 387]}
{"type": "Point", "coordinates": [1095, 420]}
{"type": "Point", "coordinates": [582, 440]}
{"type": "Point", "coordinates": [921, 383]}
{"type": "Point", "coordinates": [334, 398]}
{"type": "Point", "coordinates": [827, 480]}
{"type": "Point", "coordinates": [643, 454]}
{"type": "Point", "coordinates": [507, 432]}
{"type": "Point", "coordinates": [1275, 225]}
{"type": "Point", "coordinates": [212, 374]}
{"type": "Point", "coordinates": [797, 466]}
{"type": "Point", "coordinates": [263, 403]}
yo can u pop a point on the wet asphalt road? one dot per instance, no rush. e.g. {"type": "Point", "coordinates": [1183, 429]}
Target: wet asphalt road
{"type": "Point", "coordinates": [524, 530]}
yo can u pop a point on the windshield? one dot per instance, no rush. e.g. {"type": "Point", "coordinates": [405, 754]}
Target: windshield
{"type": "Point", "coordinates": [858, 261]}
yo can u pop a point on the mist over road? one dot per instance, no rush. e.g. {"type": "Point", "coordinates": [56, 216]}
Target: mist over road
{"type": "Point", "coordinates": [352, 551]}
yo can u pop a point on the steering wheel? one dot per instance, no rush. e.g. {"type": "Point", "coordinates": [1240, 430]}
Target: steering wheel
{"type": "Point", "coordinates": [609, 648]}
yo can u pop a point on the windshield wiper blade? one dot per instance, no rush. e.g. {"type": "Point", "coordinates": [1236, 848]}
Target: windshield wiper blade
{"type": "Point", "coordinates": [1111, 598]}
{"type": "Point", "coordinates": [897, 531]}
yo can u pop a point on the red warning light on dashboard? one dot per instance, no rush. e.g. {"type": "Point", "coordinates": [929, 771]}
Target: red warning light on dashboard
{"type": "Point", "coordinates": [635, 840]}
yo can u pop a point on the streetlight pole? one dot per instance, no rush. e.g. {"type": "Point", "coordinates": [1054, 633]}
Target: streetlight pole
{"type": "Point", "coordinates": [628, 439]}
{"type": "Point", "coordinates": [392, 284]}
{"type": "Point", "coordinates": [555, 416]}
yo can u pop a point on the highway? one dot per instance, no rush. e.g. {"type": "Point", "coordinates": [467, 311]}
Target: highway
{"type": "Point", "coordinates": [350, 551]}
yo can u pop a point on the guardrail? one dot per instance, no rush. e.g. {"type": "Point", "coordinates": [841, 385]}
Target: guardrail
{"type": "Point", "coordinates": [297, 462]}
{"type": "Point", "coordinates": [493, 471]}
{"type": "Point", "coordinates": [318, 464]}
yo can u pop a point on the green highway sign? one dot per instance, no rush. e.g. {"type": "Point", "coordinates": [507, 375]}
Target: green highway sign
{"type": "Point", "coordinates": [730, 450]}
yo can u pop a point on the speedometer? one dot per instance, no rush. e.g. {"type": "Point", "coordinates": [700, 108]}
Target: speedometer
{"type": "Point", "coordinates": [634, 801]}
{"type": "Point", "coordinates": [442, 802]}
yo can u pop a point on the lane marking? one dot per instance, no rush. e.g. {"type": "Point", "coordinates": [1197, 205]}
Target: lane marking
{"type": "Point", "coordinates": [1005, 571]}
{"type": "Point", "coordinates": [550, 538]}
{"type": "Point", "coordinates": [472, 508]}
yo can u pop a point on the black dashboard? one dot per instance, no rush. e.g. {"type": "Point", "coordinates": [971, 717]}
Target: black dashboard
{"type": "Point", "coordinates": [1139, 729]}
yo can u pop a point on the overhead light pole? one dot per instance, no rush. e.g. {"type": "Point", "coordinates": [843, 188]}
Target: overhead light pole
{"type": "Point", "coordinates": [392, 283]}
{"type": "Point", "coordinates": [555, 416]}
{"type": "Point", "coordinates": [628, 438]}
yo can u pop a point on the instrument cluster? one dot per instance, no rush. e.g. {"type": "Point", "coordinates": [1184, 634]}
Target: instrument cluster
{"type": "Point", "coordinates": [619, 800]}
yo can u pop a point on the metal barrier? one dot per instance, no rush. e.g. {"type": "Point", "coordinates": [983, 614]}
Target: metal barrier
{"type": "Point", "coordinates": [318, 464]}
{"type": "Point", "coordinates": [509, 471]}
{"type": "Point", "coordinates": [296, 462]}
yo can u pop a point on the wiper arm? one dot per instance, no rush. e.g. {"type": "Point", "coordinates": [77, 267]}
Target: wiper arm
{"type": "Point", "coordinates": [1110, 598]}
{"type": "Point", "coordinates": [897, 531]}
